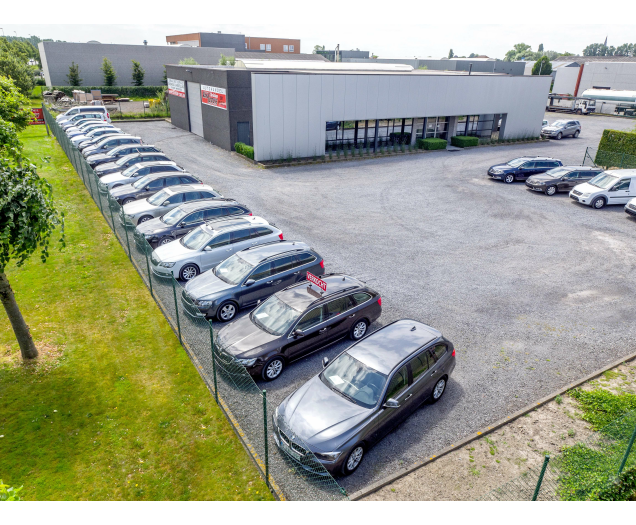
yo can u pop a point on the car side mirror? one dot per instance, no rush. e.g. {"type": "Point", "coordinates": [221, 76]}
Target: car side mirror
{"type": "Point", "coordinates": [299, 333]}
{"type": "Point", "coordinates": [165, 203]}
{"type": "Point", "coordinates": [249, 282]}
{"type": "Point", "coordinates": [391, 403]}
{"type": "Point", "coordinates": [325, 362]}
{"type": "Point", "coordinates": [207, 249]}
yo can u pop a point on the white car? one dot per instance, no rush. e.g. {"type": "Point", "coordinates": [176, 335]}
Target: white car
{"type": "Point", "coordinates": [82, 109]}
{"type": "Point", "coordinates": [95, 134]}
{"type": "Point", "coordinates": [630, 207]}
{"type": "Point", "coordinates": [81, 119]}
{"type": "Point", "coordinates": [79, 126]}
{"type": "Point", "coordinates": [136, 172]}
{"type": "Point", "coordinates": [209, 244]}
{"type": "Point", "coordinates": [609, 187]}
{"type": "Point", "coordinates": [87, 127]}
{"type": "Point", "coordinates": [162, 202]}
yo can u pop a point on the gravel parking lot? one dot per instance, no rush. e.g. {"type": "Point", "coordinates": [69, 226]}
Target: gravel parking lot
{"type": "Point", "coordinates": [534, 291]}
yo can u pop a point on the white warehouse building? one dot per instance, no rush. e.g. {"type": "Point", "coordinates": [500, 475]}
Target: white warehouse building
{"type": "Point", "coordinates": [303, 109]}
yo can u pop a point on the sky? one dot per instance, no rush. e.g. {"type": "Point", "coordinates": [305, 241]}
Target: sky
{"type": "Point", "coordinates": [387, 41]}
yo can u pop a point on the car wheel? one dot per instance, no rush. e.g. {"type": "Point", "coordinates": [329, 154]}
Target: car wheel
{"type": "Point", "coordinates": [144, 219]}
{"type": "Point", "coordinates": [509, 179]}
{"type": "Point", "coordinates": [226, 312]}
{"type": "Point", "coordinates": [188, 272]}
{"type": "Point", "coordinates": [273, 368]}
{"type": "Point", "coordinates": [598, 203]}
{"type": "Point", "coordinates": [165, 240]}
{"type": "Point", "coordinates": [128, 201]}
{"type": "Point", "coordinates": [438, 390]}
{"type": "Point", "coordinates": [353, 460]}
{"type": "Point", "coordinates": [359, 330]}
{"type": "Point", "coordinates": [550, 190]}
{"type": "Point", "coordinates": [576, 133]}
{"type": "Point", "coordinates": [559, 136]}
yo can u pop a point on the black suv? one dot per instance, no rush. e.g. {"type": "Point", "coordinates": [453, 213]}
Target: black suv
{"type": "Point", "coordinates": [150, 184]}
{"type": "Point", "coordinates": [295, 322]}
{"type": "Point", "coordinates": [185, 218]}
{"type": "Point", "coordinates": [248, 277]}
{"type": "Point", "coordinates": [118, 152]}
{"type": "Point", "coordinates": [522, 167]}
{"type": "Point", "coordinates": [562, 179]}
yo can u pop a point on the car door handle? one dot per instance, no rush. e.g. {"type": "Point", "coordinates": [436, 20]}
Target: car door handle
{"type": "Point", "coordinates": [296, 273]}
{"type": "Point", "coordinates": [322, 331]}
{"type": "Point", "coordinates": [434, 372]}
{"type": "Point", "coordinates": [407, 397]}
{"type": "Point", "coordinates": [351, 316]}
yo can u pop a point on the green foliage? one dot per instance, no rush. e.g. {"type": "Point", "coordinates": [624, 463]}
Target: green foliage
{"type": "Point", "coordinates": [600, 407]}
{"type": "Point", "coordinates": [188, 62]}
{"type": "Point", "coordinates": [400, 138]}
{"type": "Point", "coordinates": [518, 52]}
{"type": "Point", "coordinates": [14, 105]}
{"type": "Point", "coordinates": [122, 91]}
{"type": "Point", "coordinates": [16, 68]}
{"type": "Point", "coordinates": [10, 145]}
{"type": "Point", "coordinates": [431, 143]}
{"type": "Point", "coordinates": [164, 80]}
{"type": "Point", "coordinates": [226, 61]}
{"type": "Point", "coordinates": [73, 75]}
{"type": "Point", "coordinates": [451, 54]}
{"type": "Point", "coordinates": [138, 73]}
{"type": "Point", "coordinates": [9, 493]}
{"type": "Point", "coordinates": [464, 142]}
{"type": "Point", "coordinates": [245, 150]}
{"type": "Point", "coordinates": [542, 66]}
{"type": "Point", "coordinates": [601, 50]}
{"type": "Point", "coordinates": [318, 48]}
{"type": "Point", "coordinates": [622, 489]}
{"type": "Point", "coordinates": [110, 76]}
{"type": "Point", "coordinates": [617, 149]}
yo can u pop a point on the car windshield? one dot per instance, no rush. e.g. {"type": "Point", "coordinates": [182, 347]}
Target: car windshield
{"type": "Point", "coordinates": [559, 123]}
{"type": "Point", "coordinates": [557, 172]}
{"type": "Point", "coordinates": [274, 316]}
{"type": "Point", "coordinates": [515, 163]}
{"type": "Point", "coordinates": [129, 172]}
{"type": "Point", "coordinates": [158, 197]}
{"type": "Point", "coordinates": [196, 239]}
{"type": "Point", "coordinates": [141, 182]}
{"type": "Point", "coordinates": [233, 270]}
{"type": "Point", "coordinates": [604, 181]}
{"type": "Point", "coordinates": [173, 217]}
{"type": "Point", "coordinates": [354, 380]}
{"type": "Point", "coordinates": [123, 160]}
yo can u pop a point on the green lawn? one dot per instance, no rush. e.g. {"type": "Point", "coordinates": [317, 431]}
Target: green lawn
{"type": "Point", "coordinates": [112, 409]}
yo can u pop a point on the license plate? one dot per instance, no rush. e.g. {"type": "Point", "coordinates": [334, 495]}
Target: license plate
{"type": "Point", "coordinates": [574, 197]}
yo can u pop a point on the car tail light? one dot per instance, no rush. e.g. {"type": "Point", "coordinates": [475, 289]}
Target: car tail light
{"type": "Point", "coordinates": [453, 354]}
{"type": "Point", "coordinates": [280, 235]}
{"type": "Point", "coordinates": [107, 115]}
{"type": "Point", "coordinates": [322, 264]}
{"type": "Point", "coordinates": [250, 214]}
{"type": "Point", "coordinates": [380, 301]}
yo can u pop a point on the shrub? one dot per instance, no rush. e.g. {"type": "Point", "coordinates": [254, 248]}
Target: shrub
{"type": "Point", "coordinates": [398, 138]}
{"type": "Point", "coordinates": [464, 142]}
{"type": "Point", "coordinates": [244, 149]}
{"type": "Point", "coordinates": [122, 91]}
{"type": "Point", "coordinates": [623, 488]}
{"type": "Point", "coordinates": [617, 148]}
{"type": "Point", "coordinates": [431, 143]}
{"type": "Point", "coordinates": [9, 493]}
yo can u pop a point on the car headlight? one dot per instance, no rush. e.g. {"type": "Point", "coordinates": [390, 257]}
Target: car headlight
{"type": "Point", "coordinates": [166, 264]}
{"type": "Point", "coordinates": [246, 362]}
{"type": "Point", "coordinates": [328, 456]}
{"type": "Point", "coordinates": [586, 195]}
{"type": "Point", "coordinates": [497, 172]}
{"type": "Point", "coordinates": [204, 304]}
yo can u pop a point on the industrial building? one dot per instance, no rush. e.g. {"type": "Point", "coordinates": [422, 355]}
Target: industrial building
{"type": "Point", "coordinates": [236, 41]}
{"type": "Point", "coordinates": [477, 64]}
{"type": "Point", "coordinates": [306, 108]}
{"type": "Point", "coordinates": [343, 54]}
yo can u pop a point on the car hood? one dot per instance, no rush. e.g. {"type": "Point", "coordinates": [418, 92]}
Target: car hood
{"type": "Point", "coordinates": [242, 337]}
{"type": "Point", "coordinates": [171, 252]}
{"type": "Point", "coordinates": [98, 156]}
{"type": "Point", "coordinates": [541, 178]}
{"type": "Point", "coordinates": [318, 415]}
{"type": "Point", "coordinates": [205, 285]}
{"type": "Point", "coordinates": [501, 167]}
{"type": "Point", "coordinates": [551, 128]}
{"type": "Point", "coordinates": [587, 188]}
{"type": "Point", "coordinates": [138, 206]}
{"type": "Point", "coordinates": [121, 190]}
{"type": "Point", "coordinates": [149, 226]}
{"type": "Point", "coordinates": [113, 177]}
{"type": "Point", "coordinates": [107, 166]}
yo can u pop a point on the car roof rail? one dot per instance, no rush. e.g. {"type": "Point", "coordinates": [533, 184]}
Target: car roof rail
{"type": "Point", "coordinates": [324, 295]}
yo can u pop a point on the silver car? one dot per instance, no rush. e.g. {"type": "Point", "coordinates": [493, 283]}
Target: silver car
{"type": "Point", "coordinates": [107, 129]}
{"type": "Point", "coordinates": [162, 202]}
{"type": "Point", "coordinates": [209, 244]}
{"type": "Point", "coordinates": [136, 172]}
{"type": "Point", "coordinates": [363, 395]}
{"type": "Point", "coordinates": [562, 128]}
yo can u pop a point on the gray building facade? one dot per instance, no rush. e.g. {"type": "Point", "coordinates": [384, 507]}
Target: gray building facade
{"type": "Point", "coordinates": [344, 54]}
{"type": "Point", "coordinates": [478, 66]}
{"type": "Point", "coordinates": [236, 42]}
{"type": "Point", "coordinates": [58, 56]}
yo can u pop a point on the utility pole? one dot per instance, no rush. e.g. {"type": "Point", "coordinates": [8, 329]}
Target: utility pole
{"type": "Point", "coordinates": [337, 54]}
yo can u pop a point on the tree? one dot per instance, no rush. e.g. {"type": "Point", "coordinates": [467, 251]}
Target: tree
{"type": "Point", "coordinates": [73, 75]}
{"type": "Point", "coordinates": [17, 70]}
{"type": "Point", "coordinates": [110, 77]}
{"type": "Point", "coordinates": [542, 67]}
{"type": "Point", "coordinates": [540, 48]}
{"type": "Point", "coordinates": [226, 61]}
{"type": "Point", "coordinates": [318, 48]}
{"type": "Point", "coordinates": [188, 62]}
{"type": "Point", "coordinates": [451, 54]}
{"type": "Point", "coordinates": [138, 73]}
{"type": "Point", "coordinates": [518, 52]}
{"type": "Point", "coordinates": [13, 105]}
{"type": "Point", "coordinates": [164, 80]}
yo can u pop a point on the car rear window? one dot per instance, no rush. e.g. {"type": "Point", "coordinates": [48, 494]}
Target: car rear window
{"type": "Point", "coordinates": [438, 351]}
{"type": "Point", "coordinates": [360, 297]}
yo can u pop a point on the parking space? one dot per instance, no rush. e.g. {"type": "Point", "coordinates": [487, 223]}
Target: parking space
{"type": "Point", "coordinates": [534, 291]}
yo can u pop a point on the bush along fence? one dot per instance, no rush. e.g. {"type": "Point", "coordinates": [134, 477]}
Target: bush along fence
{"type": "Point", "coordinates": [603, 467]}
{"type": "Point", "coordinates": [122, 91]}
{"type": "Point", "coordinates": [243, 402]}
{"type": "Point", "coordinates": [609, 159]}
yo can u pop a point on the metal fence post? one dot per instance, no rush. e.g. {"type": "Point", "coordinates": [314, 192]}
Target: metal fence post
{"type": "Point", "coordinates": [176, 308]}
{"type": "Point", "coordinates": [629, 449]}
{"type": "Point", "coordinates": [265, 435]}
{"type": "Point", "coordinates": [216, 395]}
{"type": "Point", "coordinates": [127, 241]}
{"type": "Point", "coordinates": [585, 156]}
{"type": "Point", "coordinates": [112, 219]}
{"type": "Point", "coordinates": [148, 267]}
{"type": "Point", "coordinates": [46, 124]}
{"type": "Point", "coordinates": [540, 480]}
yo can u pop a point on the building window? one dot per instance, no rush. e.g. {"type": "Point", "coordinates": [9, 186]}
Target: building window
{"type": "Point", "coordinates": [285, 49]}
{"type": "Point", "coordinates": [268, 47]}
{"type": "Point", "coordinates": [262, 47]}
{"type": "Point", "coordinates": [291, 49]}
{"type": "Point", "coordinates": [437, 127]}
{"type": "Point", "coordinates": [245, 45]}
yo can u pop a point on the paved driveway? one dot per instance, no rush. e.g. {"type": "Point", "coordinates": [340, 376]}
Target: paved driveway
{"type": "Point", "coordinates": [534, 291]}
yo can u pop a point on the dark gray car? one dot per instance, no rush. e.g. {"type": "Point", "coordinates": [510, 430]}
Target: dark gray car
{"type": "Point", "coordinates": [107, 142]}
{"type": "Point", "coordinates": [562, 128]}
{"type": "Point", "coordinates": [160, 177]}
{"type": "Point", "coordinates": [128, 161]}
{"type": "Point", "coordinates": [563, 178]}
{"type": "Point", "coordinates": [249, 276]}
{"type": "Point", "coordinates": [363, 395]}
{"type": "Point", "coordinates": [119, 152]}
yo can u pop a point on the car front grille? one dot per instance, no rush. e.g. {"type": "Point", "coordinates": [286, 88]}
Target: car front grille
{"type": "Point", "coordinates": [294, 446]}
{"type": "Point", "coordinates": [576, 192]}
{"type": "Point", "coordinates": [632, 206]}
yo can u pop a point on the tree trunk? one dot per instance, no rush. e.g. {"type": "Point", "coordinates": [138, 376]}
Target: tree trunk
{"type": "Point", "coordinates": [20, 328]}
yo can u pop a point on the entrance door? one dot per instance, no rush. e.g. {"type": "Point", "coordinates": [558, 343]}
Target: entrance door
{"type": "Point", "coordinates": [243, 132]}
{"type": "Point", "coordinates": [194, 108]}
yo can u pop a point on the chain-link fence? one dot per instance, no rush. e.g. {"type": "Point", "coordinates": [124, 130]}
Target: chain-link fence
{"type": "Point", "coordinates": [608, 159]}
{"type": "Point", "coordinates": [244, 404]}
{"type": "Point", "coordinates": [578, 472]}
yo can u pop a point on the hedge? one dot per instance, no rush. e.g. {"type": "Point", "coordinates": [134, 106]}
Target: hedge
{"type": "Point", "coordinates": [244, 149]}
{"type": "Point", "coordinates": [400, 138]}
{"type": "Point", "coordinates": [464, 142]}
{"type": "Point", "coordinates": [617, 149]}
{"type": "Point", "coordinates": [122, 91]}
{"type": "Point", "coordinates": [623, 489]}
{"type": "Point", "coordinates": [432, 143]}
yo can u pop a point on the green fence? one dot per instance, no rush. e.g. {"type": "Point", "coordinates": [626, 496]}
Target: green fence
{"type": "Point", "coordinates": [583, 471]}
{"type": "Point", "coordinates": [242, 401]}
{"type": "Point", "coordinates": [608, 159]}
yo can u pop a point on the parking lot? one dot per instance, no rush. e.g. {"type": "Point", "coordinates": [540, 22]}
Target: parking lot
{"type": "Point", "coordinates": [534, 291]}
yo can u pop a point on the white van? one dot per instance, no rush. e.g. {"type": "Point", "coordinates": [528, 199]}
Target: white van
{"type": "Point", "coordinates": [82, 109]}
{"type": "Point", "coordinates": [608, 187]}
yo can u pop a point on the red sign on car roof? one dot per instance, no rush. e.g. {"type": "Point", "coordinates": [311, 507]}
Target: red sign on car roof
{"type": "Point", "coordinates": [318, 282]}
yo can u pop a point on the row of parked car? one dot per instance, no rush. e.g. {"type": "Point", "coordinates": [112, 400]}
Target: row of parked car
{"type": "Point", "coordinates": [229, 260]}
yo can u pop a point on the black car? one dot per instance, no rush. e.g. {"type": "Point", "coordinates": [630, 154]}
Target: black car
{"type": "Point", "coordinates": [150, 184]}
{"type": "Point", "coordinates": [128, 161]}
{"type": "Point", "coordinates": [522, 167]}
{"type": "Point", "coordinates": [118, 152]}
{"type": "Point", "coordinates": [185, 218]}
{"type": "Point", "coordinates": [295, 322]}
{"type": "Point", "coordinates": [248, 277]}
{"type": "Point", "coordinates": [563, 178]}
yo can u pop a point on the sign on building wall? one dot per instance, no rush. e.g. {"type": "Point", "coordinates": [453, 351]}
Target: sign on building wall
{"type": "Point", "coordinates": [176, 87]}
{"type": "Point", "coordinates": [214, 96]}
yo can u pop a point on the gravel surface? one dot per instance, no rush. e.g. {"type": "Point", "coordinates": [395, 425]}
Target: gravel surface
{"type": "Point", "coordinates": [534, 291]}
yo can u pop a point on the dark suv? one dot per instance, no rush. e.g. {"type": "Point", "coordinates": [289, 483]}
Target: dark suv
{"type": "Point", "coordinates": [156, 179]}
{"type": "Point", "coordinates": [563, 178]}
{"type": "Point", "coordinates": [297, 321]}
{"type": "Point", "coordinates": [522, 167]}
{"type": "Point", "coordinates": [248, 277]}
{"type": "Point", "coordinates": [185, 218]}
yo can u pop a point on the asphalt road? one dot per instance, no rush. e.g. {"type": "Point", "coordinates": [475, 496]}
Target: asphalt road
{"type": "Point", "coordinates": [534, 291]}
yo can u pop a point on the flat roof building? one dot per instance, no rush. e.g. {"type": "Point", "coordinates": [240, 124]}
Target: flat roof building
{"type": "Point", "coordinates": [305, 108]}
{"type": "Point", "coordinates": [238, 42]}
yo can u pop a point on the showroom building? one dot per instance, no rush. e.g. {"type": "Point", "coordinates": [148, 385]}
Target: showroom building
{"type": "Point", "coordinates": [303, 109]}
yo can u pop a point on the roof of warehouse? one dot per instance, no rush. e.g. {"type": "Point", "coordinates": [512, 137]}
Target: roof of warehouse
{"type": "Point", "coordinates": [583, 59]}
{"type": "Point", "coordinates": [240, 55]}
